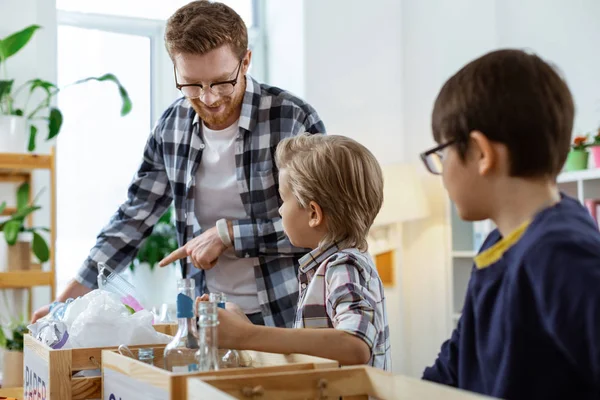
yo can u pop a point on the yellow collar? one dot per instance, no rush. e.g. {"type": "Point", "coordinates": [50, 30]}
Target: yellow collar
{"type": "Point", "coordinates": [492, 254]}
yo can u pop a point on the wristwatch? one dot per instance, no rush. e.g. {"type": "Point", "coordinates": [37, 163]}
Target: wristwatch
{"type": "Point", "coordinates": [223, 231]}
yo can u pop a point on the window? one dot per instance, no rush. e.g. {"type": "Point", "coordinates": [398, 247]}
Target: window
{"type": "Point", "coordinates": [149, 9]}
{"type": "Point", "coordinates": [98, 151]}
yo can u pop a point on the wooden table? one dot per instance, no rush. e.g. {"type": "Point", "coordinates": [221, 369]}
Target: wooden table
{"type": "Point", "coordinates": [14, 393]}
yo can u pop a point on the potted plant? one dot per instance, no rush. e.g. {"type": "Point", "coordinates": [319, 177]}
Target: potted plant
{"type": "Point", "coordinates": [22, 240]}
{"type": "Point", "coordinates": [577, 159]}
{"type": "Point", "coordinates": [19, 122]}
{"type": "Point", "coordinates": [595, 149]}
{"type": "Point", "coordinates": [11, 341]}
{"type": "Point", "coordinates": [156, 285]}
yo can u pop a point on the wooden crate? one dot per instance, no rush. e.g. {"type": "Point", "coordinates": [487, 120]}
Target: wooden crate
{"type": "Point", "coordinates": [348, 383]}
{"type": "Point", "coordinates": [127, 378]}
{"type": "Point", "coordinates": [49, 372]}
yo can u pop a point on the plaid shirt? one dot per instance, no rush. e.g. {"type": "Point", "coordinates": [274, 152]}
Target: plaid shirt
{"type": "Point", "coordinates": [167, 174]}
{"type": "Point", "coordinates": [341, 289]}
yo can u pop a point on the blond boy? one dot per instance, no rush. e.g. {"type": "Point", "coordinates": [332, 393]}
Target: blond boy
{"type": "Point", "coordinates": [332, 189]}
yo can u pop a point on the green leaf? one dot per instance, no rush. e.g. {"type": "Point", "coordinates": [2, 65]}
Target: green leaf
{"type": "Point", "coordinates": [131, 310]}
{"type": "Point", "coordinates": [10, 45]}
{"type": "Point", "coordinates": [39, 83]}
{"type": "Point", "coordinates": [18, 112]}
{"type": "Point", "coordinates": [127, 105]}
{"type": "Point", "coordinates": [2, 207]}
{"type": "Point", "coordinates": [2, 338]}
{"type": "Point", "coordinates": [55, 121]}
{"type": "Point", "coordinates": [32, 134]}
{"type": "Point", "coordinates": [5, 88]}
{"type": "Point", "coordinates": [40, 247]}
{"type": "Point", "coordinates": [22, 196]}
{"type": "Point", "coordinates": [21, 214]}
{"type": "Point", "coordinates": [11, 230]}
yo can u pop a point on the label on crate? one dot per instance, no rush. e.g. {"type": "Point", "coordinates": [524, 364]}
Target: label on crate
{"type": "Point", "coordinates": [117, 386]}
{"type": "Point", "coordinates": [35, 376]}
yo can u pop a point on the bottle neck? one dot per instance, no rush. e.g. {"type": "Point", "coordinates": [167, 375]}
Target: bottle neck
{"type": "Point", "coordinates": [207, 336]}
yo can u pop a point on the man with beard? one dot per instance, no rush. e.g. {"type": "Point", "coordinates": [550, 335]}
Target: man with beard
{"type": "Point", "coordinates": [211, 154]}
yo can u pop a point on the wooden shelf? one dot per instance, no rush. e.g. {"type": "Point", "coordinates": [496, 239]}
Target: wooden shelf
{"type": "Point", "coordinates": [16, 163]}
{"type": "Point", "coordinates": [464, 254]}
{"type": "Point", "coordinates": [25, 279]}
{"type": "Point", "coordinates": [583, 175]}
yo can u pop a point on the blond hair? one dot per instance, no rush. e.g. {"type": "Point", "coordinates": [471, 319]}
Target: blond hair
{"type": "Point", "coordinates": [342, 177]}
{"type": "Point", "coordinates": [202, 26]}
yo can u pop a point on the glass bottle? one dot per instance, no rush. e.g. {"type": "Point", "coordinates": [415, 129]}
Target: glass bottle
{"type": "Point", "coordinates": [146, 355]}
{"type": "Point", "coordinates": [207, 355]}
{"type": "Point", "coordinates": [180, 352]}
{"type": "Point", "coordinates": [228, 358]}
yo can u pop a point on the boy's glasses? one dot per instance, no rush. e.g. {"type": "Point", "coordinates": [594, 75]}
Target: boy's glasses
{"type": "Point", "coordinates": [433, 159]}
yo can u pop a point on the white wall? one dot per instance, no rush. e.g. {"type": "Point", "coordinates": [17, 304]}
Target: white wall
{"type": "Point", "coordinates": [354, 71]}
{"type": "Point", "coordinates": [413, 46]}
{"type": "Point", "coordinates": [36, 60]}
{"type": "Point", "coordinates": [565, 33]}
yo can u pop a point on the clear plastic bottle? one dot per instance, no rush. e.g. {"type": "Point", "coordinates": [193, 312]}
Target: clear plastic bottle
{"type": "Point", "coordinates": [228, 358]}
{"type": "Point", "coordinates": [207, 355]}
{"type": "Point", "coordinates": [180, 352]}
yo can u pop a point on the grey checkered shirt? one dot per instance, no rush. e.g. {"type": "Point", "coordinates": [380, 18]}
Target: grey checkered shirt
{"type": "Point", "coordinates": [167, 174]}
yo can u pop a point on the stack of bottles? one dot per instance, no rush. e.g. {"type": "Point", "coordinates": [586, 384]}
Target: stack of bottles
{"type": "Point", "coordinates": [195, 346]}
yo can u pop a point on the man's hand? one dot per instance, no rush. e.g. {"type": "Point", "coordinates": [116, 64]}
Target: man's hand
{"type": "Point", "coordinates": [204, 250]}
{"type": "Point", "coordinates": [40, 313]}
{"type": "Point", "coordinates": [73, 290]}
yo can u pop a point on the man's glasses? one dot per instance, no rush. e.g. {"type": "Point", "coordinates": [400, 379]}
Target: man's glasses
{"type": "Point", "coordinates": [196, 90]}
{"type": "Point", "coordinates": [433, 159]}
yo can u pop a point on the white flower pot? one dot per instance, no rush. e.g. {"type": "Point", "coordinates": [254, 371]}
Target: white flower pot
{"type": "Point", "coordinates": [14, 134]}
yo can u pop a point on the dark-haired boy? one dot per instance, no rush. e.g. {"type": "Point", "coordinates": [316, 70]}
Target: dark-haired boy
{"type": "Point", "coordinates": [530, 327]}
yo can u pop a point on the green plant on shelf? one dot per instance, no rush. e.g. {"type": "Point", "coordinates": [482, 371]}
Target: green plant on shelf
{"type": "Point", "coordinates": [11, 335]}
{"type": "Point", "coordinates": [596, 138]}
{"type": "Point", "coordinates": [160, 243]}
{"type": "Point", "coordinates": [42, 111]}
{"type": "Point", "coordinates": [580, 143]}
{"type": "Point", "coordinates": [15, 224]}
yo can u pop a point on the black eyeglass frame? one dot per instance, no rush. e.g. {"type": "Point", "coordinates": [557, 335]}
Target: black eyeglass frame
{"type": "Point", "coordinates": [232, 82]}
{"type": "Point", "coordinates": [425, 155]}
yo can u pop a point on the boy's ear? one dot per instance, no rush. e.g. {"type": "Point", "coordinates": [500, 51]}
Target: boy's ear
{"type": "Point", "coordinates": [316, 215]}
{"type": "Point", "coordinates": [486, 156]}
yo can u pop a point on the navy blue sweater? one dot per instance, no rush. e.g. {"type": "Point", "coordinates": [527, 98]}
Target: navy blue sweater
{"type": "Point", "coordinates": [530, 326]}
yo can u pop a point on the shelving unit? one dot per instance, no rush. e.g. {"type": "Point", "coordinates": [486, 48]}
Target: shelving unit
{"type": "Point", "coordinates": [18, 168]}
{"type": "Point", "coordinates": [578, 184]}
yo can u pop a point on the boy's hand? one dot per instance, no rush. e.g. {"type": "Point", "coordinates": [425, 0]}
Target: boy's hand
{"type": "Point", "coordinates": [234, 330]}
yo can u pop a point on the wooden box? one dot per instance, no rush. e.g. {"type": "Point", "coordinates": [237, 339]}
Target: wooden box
{"type": "Point", "coordinates": [347, 383]}
{"type": "Point", "coordinates": [48, 373]}
{"type": "Point", "coordinates": [127, 378]}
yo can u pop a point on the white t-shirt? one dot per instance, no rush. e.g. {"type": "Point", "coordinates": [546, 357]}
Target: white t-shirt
{"type": "Point", "coordinates": [218, 196]}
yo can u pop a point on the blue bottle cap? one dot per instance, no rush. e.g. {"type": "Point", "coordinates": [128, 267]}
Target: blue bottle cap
{"type": "Point", "coordinates": [185, 306]}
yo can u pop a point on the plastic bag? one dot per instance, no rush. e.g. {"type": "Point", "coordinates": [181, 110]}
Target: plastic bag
{"type": "Point", "coordinates": [107, 322]}
{"type": "Point", "coordinates": [98, 319]}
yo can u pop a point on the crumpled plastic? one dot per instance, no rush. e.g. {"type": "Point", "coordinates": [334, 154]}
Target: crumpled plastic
{"type": "Point", "coordinates": [98, 319]}
{"type": "Point", "coordinates": [53, 333]}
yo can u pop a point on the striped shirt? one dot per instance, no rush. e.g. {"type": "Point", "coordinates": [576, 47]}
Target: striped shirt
{"type": "Point", "coordinates": [167, 174]}
{"type": "Point", "coordinates": [341, 289]}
